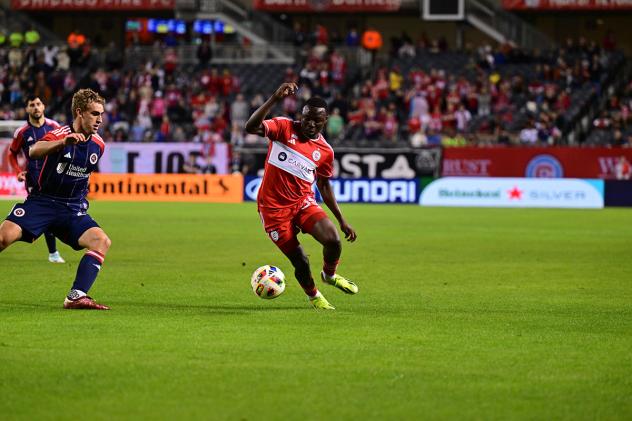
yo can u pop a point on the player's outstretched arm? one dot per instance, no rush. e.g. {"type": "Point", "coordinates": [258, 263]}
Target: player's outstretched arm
{"type": "Point", "coordinates": [46, 147]}
{"type": "Point", "coordinates": [254, 125]}
{"type": "Point", "coordinates": [324, 187]}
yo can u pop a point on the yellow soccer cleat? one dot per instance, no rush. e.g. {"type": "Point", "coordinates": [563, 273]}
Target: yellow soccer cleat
{"type": "Point", "coordinates": [320, 303]}
{"type": "Point", "coordinates": [343, 284]}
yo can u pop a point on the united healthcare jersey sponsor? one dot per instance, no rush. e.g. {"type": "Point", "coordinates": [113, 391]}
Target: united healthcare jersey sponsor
{"type": "Point", "coordinates": [356, 190]}
{"type": "Point", "coordinates": [514, 193]}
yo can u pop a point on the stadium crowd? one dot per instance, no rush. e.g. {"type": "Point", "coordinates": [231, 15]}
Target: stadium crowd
{"type": "Point", "coordinates": [483, 95]}
{"type": "Point", "coordinates": [613, 126]}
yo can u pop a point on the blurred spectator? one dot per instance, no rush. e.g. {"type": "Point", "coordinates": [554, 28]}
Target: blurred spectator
{"type": "Point", "coordinates": [453, 139]}
{"type": "Point", "coordinates": [623, 169]}
{"type": "Point", "coordinates": [353, 37]}
{"type": "Point", "coordinates": [204, 54]}
{"type": "Point", "coordinates": [239, 111]}
{"type": "Point", "coordinates": [335, 126]}
{"type": "Point", "coordinates": [390, 126]}
{"type": "Point", "coordinates": [113, 57]}
{"type": "Point", "coordinates": [529, 135]}
{"type": "Point", "coordinates": [208, 167]}
{"type": "Point", "coordinates": [338, 66]}
{"type": "Point", "coordinates": [372, 42]}
{"type": "Point", "coordinates": [16, 38]}
{"type": "Point", "coordinates": [32, 36]}
{"type": "Point", "coordinates": [191, 165]}
{"type": "Point", "coordinates": [418, 139]}
{"type": "Point", "coordinates": [463, 117]}
{"type": "Point", "coordinates": [300, 38]}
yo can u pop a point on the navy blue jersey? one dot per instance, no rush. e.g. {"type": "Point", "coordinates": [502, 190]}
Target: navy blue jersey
{"type": "Point", "coordinates": [65, 174]}
{"type": "Point", "coordinates": [23, 139]}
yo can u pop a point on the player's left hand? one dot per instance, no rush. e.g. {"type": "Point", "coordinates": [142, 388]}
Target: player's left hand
{"type": "Point", "coordinates": [22, 176]}
{"type": "Point", "coordinates": [74, 138]}
{"type": "Point", "coordinates": [349, 232]}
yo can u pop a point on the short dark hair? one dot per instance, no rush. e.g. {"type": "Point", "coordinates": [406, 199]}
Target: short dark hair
{"type": "Point", "coordinates": [316, 102]}
{"type": "Point", "coordinates": [31, 97]}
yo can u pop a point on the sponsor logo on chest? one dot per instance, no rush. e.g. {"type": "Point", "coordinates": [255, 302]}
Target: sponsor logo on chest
{"type": "Point", "coordinates": [293, 162]}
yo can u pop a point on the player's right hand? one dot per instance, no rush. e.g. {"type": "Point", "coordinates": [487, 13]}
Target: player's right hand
{"type": "Point", "coordinates": [74, 138]}
{"type": "Point", "coordinates": [22, 176]}
{"type": "Point", "coordinates": [286, 89]}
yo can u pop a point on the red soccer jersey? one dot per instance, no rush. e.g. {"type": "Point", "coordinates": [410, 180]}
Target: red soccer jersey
{"type": "Point", "coordinates": [292, 164]}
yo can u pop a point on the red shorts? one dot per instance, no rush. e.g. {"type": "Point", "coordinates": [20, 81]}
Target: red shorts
{"type": "Point", "coordinates": [283, 225]}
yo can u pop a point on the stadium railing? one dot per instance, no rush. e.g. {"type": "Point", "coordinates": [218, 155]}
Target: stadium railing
{"type": "Point", "coordinates": [224, 53]}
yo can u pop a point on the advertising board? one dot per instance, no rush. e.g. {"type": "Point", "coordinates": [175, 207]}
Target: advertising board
{"type": "Point", "coordinates": [167, 187]}
{"type": "Point", "coordinates": [557, 162]}
{"type": "Point", "coordinates": [356, 190]}
{"type": "Point", "coordinates": [514, 192]}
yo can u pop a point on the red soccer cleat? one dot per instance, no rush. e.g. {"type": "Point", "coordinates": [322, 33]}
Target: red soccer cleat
{"type": "Point", "coordinates": [83, 303]}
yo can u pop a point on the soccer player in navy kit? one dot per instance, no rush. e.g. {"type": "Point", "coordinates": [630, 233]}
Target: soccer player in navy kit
{"type": "Point", "coordinates": [37, 125]}
{"type": "Point", "coordinates": [58, 201]}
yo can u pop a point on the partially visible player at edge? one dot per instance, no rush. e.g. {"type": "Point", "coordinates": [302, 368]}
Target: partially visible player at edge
{"type": "Point", "coordinates": [58, 202]}
{"type": "Point", "coordinates": [298, 155]}
{"type": "Point", "coordinates": [37, 125]}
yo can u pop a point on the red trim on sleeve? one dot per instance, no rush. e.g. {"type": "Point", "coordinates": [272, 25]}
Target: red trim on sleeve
{"type": "Point", "coordinates": [18, 139]}
{"type": "Point", "coordinates": [13, 160]}
{"type": "Point", "coordinates": [97, 139]}
{"type": "Point", "coordinates": [265, 128]}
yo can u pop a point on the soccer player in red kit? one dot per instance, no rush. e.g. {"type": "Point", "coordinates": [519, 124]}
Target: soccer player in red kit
{"type": "Point", "coordinates": [297, 156]}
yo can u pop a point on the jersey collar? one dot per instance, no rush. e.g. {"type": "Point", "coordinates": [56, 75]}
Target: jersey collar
{"type": "Point", "coordinates": [72, 130]}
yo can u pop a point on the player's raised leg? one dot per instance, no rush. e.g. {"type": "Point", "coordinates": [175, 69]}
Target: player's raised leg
{"type": "Point", "coordinates": [51, 243]}
{"type": "Point", "coordinates": [97, 244]}
{"type": "Point", "coordinates": [10, 232]}
{"type": "Point", "coordinates": [325, 232]}
{"type": "Point", "coordinates": [303, 274]}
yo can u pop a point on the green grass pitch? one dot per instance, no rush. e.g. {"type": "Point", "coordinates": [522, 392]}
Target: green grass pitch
{"type": "Point", "coordinates": [462, 314]}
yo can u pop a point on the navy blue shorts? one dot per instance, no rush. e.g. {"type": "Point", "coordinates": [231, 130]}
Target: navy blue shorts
{"type": "Point", "coordinates": [37, 215]}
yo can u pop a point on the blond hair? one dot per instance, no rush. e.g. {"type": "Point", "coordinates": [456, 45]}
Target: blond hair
{"type": "Point", "coordinates": [83, 97]}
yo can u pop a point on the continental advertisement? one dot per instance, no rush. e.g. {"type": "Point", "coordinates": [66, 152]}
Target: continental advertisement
{"type": "Point", "coordinates": [167, 188]}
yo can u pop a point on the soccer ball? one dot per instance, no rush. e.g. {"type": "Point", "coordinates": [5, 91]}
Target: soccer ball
{"type": "Point", "coordinates": [268, 282]}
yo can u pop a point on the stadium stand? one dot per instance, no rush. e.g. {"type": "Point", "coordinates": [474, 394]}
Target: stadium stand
{"type": "Point", "coordinates": [422, 93]}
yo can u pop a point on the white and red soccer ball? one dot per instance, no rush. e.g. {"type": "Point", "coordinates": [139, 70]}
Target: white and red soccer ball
{"type": "Point", "coordinates": [268, 282]}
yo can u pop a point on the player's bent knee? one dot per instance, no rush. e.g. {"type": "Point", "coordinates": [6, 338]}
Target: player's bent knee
{"type": "Point", "coordinates": [3, 243]}
{"type": "Point", "coordinates": [108, 242]}
{"type": "Point", "coordinates": [300, 262]}
{"type": "Point", "coordinates": [332, 241]}
{"type": "Point", "coordinates": [96, 240]}
{"type": "Point", "coordinates": [302, 270]}
{"type": "Point", "coordinates": [104, 243]}
{"type": "Point", "coordinates": [9, 233]}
